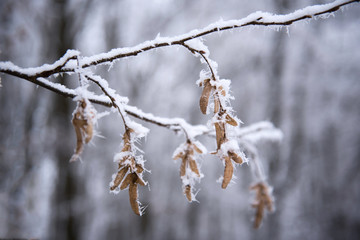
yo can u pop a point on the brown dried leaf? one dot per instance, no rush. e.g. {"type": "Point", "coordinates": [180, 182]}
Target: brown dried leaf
{"type": "Point", "coordinates": [78, 124]}
{"type": "Point", "coordinates": [220, 134]}
{"type": "Point", "coordinates": [236, 158]}
{"type": "Point", "coordinates": [133, 196]}
{"type": "Point", "coordinates": [197, 149]}
{"type": "Point", "coordinates": [126, 147]}
{"type": "Point", "coordinates": [126, 139]}
{"type": "Point", "coordinates": [228, 172]}
{"type": "Point", "coordinates": [124, 159]}
{"type": "Point", "coordinates": [140, 181]}
{"type": "Point", "coordinates": [216, 104]}
{"type": "Point", "coordinates": [204, 99]}
{"type": "Point", "coordinates": [139, 168]}
{"type": "Point", "coordinates": [187, 192]}
{"type": "Point", "coordinates": [79, 139]}
{"type": "Point", "coordinates": [230, 120]}
{"type": "Point", "coordinates": [193, 166]}
{"type": "Point", "coordinates": [183, 167]}
{"type": "Point", "coordinates": [263, 200]}
{"type": "Point", "coordinates": [128, 179]}
{"type": "Point", "coordinates": [119, 177]}
{"type": "Point", "coordinates": [83, 128]}
{"type": "Point", "coordinates": [88, 130]}
{"type": "Point", "coordinates": [179, 155]}
{"type": "Point", "coordinates": [259, 214]}
{"type": "Point", "coordinates": [222, 91]}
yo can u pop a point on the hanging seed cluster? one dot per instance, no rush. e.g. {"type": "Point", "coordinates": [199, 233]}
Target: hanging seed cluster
{"type": "Point", "coordinates": [215, 97]}
{"type": "Point", "coordinates": [221, 119]}
{"type": "Point", "coordinates": [263, 201]}
{"type": "Point", "coordinates": [130, 171]}
{"type": "Point", "coordinates": [83, 122]}
{"type": "Point", "coordinates": [189, 169]}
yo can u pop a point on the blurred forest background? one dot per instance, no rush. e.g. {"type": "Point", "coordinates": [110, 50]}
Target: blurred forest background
{"type": "Point", "coordinates": [307, 82]}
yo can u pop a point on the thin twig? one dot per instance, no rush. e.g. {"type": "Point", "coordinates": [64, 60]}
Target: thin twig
{"type": "Point", "coordinates": [112, 98]}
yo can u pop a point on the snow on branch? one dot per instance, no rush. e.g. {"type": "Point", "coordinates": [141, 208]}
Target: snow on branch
{"type": "Point", "coordinates": [45, 70]}
{"type": "Point", "coordinates": [257, 18]}
{"type": "Point", "coordinates": [232, 142]}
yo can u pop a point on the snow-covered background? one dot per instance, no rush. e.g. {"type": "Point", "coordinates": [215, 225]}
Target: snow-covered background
{"type": "Point", "coordinates": [305, 79]}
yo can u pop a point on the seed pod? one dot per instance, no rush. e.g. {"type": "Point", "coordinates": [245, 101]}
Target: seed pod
{"type": "Point", "coordinates": [119, 177]}
{"type": "Point", "coordinates": [133, 197]}
{"type": "Point", "coordinates": [216, 104]}
{"type": "Point", "coordinates": [263, 199]}
{"type": "Point", "coordinates": [140, 181]}
{"type": "Point", "coordinates": [179, 155]}
{"type": "Point", "coordinates": [222, 91]}
{"type": "Point", "coordinates": [193, 166]}
{"type": "Point", "coordinates": [88, 131]}
{"type": "Point", "coordinates": [220, 133]}
{"type": "Point", "coordinates": [230, 120]}
{"type": "Point", "coordinates": [183, 167]}
{"type": "Point", "coordinates": [78, 123]}
{"type": "Point", "coordinates": [236, 158]}
{"type": "Point", "coordinates": [79, 139]}
{"type": "Point", "coordinates": [197, 149]}
{"type": "Point", "coordinates": [268, 203]}
{"type": "Point", "coordinates": [124, 159]}
{"type": "Point", "coordinates": [139, 168]}
{"type": "Point", "coordinates": [228, 172]}
{"type": "Point", "coordinates": [128, 179]}
{"type": "Point", "coordinates": [187, 192]}
{"type": "Point", "coordinates": [204, 99]}
{"type": "Point", "coordinates": [126, 139]}
{"type": "Point", "coordinates": [258, 216]}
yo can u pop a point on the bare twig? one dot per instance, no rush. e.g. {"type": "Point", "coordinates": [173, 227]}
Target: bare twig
{"type": "Point", "coordinates": [111, 97]}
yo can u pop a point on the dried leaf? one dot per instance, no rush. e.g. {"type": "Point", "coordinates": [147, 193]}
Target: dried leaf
{"type": "Point", "coordinates": [126, 140]}
{"type": "Point", "coordinates": [193, 166]}
{"type": "Point", "coordinates": [79, 139]}
{"type": "Point", "coordinates": [230, 120]}
{"type": "Point", "coordinates": [197, 149]}
{"type": "Point", "coordinates": [216, 104]}
{"type": "Point", "coordinates": [83, 128]}
{"type": "Point", "coordinates": [133, 196]}
{"type": "Point", "coordinates": [263, 200]}
{"type": "Point", "coordinates": [222, 91]}
{"type": "Point", "coordinates": [183, 167]}
{"type": "Point", "coordinates": [125, 158]}
{"type": "Point", "coordinates": [220, 134]}
{"type": "Point", "coordinates": [204, 99]}
{"type": "Point", "coordinates": [258, 216]}
{"type": "Point", "coordinates": [139, 168]}
{"type": "Point", "coordinates": [78, 123]}
{"type": "Point", "coordinates": [236, 158]}
{"type": "Point", "coordinates": [88, 131]}
{"type": "Point", "coordinates": [187, 192]}
{"type": "Point", "coordinates": [228, 172]}
{"type": "Point", "coordinates": [140, 181]}
{"type": "Point", "coordinates": [128, 179]}
{"type": "Point", "coordinates": [179, 155]}
{"type": "Point", "coordinates": [119, 177]}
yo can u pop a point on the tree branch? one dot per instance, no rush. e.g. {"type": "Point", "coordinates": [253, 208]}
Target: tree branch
{"type": "Point", "coordinates": [68, 63]}
{"type": "Point", "coordinates": [257, 18]}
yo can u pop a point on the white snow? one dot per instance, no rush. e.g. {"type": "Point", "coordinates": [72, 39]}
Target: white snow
{"type": "Point", "coordinates": [46, 67]}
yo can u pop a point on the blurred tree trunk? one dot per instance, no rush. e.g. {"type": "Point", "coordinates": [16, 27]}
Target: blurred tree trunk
{"type": "Point", "coordinates": [66, 218]}
{"type": "Point", "coordinates": [275, 113]}
{"type": "Point", "coordinates": [15, 127]}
